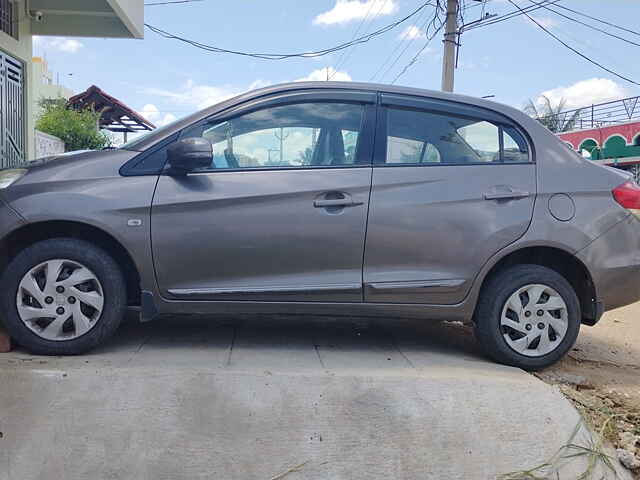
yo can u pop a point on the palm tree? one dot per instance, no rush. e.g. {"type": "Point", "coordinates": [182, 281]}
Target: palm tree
{"type": "Point", "coordinates": [550, 116]}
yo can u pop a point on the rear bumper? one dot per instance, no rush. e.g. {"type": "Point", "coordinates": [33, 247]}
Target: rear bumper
{"type": "Point", "coordinates": [613, 260]}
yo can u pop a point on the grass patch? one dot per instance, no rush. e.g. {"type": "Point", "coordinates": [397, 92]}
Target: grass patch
{"type": "Point", "coordinates": [604, 413]}
{"type": "Point", "coordinates": [592, 452]}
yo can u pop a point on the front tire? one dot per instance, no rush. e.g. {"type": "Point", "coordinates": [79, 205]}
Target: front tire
{"type": "Point", "coordinates": [528, 316]}
{"type": "Point", "coordinates": [62, 296]}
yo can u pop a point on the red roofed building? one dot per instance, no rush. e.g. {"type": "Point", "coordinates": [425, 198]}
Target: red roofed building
{"type": "Point", "coordinates": [115, 115]}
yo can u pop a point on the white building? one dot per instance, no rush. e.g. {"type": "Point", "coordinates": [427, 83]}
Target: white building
{"type": "Point", "coordinates": [19, 21]}
{"type": "Point", "coordinates": [45, 85]}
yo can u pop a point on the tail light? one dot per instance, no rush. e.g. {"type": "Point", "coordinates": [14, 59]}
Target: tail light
{"type": "Point", "coordinates": [628, 195]}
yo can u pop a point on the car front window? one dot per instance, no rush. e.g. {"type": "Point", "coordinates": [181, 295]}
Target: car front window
{"type": "Point", "coordinates": [289, 136]}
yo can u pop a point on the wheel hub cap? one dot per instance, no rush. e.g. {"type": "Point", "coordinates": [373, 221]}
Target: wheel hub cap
{"type": "Point", "coordinates": [551, 320]}
{"type": "Point", "coordinates": [60, 299]}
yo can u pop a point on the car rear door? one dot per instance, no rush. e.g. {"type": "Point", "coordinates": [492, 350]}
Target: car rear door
{"type": "Point", "coordinates": [452, 185]}
{"type": "Point", "coordinates": [280, 215]}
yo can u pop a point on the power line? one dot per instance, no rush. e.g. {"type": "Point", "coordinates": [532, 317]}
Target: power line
{"type": "Point", "coordinates": [573, 49]}
{"type": "Point", "coordinates": [423, 26]}
{"type": "Point", "coordinates": [600, 20]}
{"type": "Point", "coordinates": [511, 14]}
{"type": "Point", "coordinates": [345, 53]}
{"type": "Point", "coordinates": [507, 16]}
{"type": "Point", "coordinates": [428, 23]}
{"type": "Point", "coordinates": [417, 55]}
{"type": "Point", "coordinates": [283, 56]}
{"type": "Point", "coordinates": [172, 2]}
{"type": "Point", "coordinates": [588, 25]}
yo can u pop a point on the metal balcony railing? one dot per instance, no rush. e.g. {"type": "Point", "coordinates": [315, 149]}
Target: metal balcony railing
{"type": "Point", "coordinates": [602, 114]}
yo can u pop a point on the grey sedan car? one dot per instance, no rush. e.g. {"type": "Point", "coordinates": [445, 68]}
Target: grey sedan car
{"type": "Point", "coordinates": [325, 198]}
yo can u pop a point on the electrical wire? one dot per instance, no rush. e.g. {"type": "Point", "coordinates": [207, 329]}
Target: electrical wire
{"type": "Point", "coordinates": [577, 52]}
{"type": "Point", "coordinates": [347, 52]}
{"type": "Point", "coordinates": [600, 20]}
{"type": "Point", "coordinates": [510, 15]}
{"type": "Point", "coordinates": [283, 56]}
{"type": "Point", "coordinates": [423, 27]}
{"type": "Point", "coordinates": [588, 25]}
{"type": "Point", "coordinates": [172, 2]}
{"type": "Point", "coordinates": [506, 16]}
{"type": "Point", "coordinates": [417, 55]}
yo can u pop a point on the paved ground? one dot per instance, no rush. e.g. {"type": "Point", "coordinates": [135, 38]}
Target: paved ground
{"type": "Point", "coordinates": [193, 398]}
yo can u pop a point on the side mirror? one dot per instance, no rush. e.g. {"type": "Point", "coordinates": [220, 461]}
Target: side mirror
{"type": "Point", "coordinates": [189, 154]}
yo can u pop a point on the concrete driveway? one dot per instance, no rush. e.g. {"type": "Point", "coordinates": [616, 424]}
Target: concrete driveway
{"type": "Point", "coordinates": [253, 398]}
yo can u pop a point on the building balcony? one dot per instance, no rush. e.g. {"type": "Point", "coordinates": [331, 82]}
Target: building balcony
{"type": "Point", "coordinates": [88, 18]}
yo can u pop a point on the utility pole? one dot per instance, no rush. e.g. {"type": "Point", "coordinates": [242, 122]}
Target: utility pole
{"type": "Point", "coordinates": [450, 45]}
{"type": "Point", "coordinates": [282, 137]}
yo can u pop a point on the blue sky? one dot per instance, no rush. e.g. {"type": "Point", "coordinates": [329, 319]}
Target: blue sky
{"type": "Point", "coordinates": [513, 60]}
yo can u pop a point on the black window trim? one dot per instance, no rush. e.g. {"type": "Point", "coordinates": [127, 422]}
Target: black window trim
{"type": "Point", "coordinates": [447, 107]}
{"type": "Point", "coordinates": [129, 169]}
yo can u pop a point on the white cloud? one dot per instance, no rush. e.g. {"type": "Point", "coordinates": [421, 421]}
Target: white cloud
{"type": "Point", "coordinates": [202, 96]}
{"type": "Point", "coordinates": [193, 96]}
{"type": "Point", "coordinates": [320, 75]}
{"type": "Point", "coordinates": [347, 10]}
{"type": "Point", "coordinates": [587, 92]}
{"type": "Point", "coordinates": [151, 113]}
{"type": "Point", "coordinates": [412, 32]}
{"type": "Point", "coordinates": [546, 22]}
{"type": "Point", "coordinates": [61, 44]}
{"type": "Point", "coordinates": [475, 63]}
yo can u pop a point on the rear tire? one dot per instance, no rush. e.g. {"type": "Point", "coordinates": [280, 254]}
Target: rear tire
{"type": "Point", "coordinates": [515, 332]}
{"type": "Point", "coordinates": [85, 286]}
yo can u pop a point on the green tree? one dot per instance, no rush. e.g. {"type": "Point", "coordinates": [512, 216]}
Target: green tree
{"type": "Point", "coordinates": [77, 129]}
{"type": "Point", "coordinates": [549, 115]}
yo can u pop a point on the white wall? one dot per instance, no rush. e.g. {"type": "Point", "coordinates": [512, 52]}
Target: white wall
{"type": "Point", "coordinates": [46, 145]}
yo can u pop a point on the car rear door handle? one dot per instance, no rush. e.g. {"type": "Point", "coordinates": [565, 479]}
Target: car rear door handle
{"type": "Point", "coordinates": [336, 202]}
{"type": "Point", "coordinates": [510, 195]}
{"type": "Point", "coordinates": [343, 200]}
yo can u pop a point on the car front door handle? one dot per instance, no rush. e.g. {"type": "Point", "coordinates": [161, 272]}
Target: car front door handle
{"type": "Point", "coordinates": [336, 202]}
{"type": "Point", "coordinates": [510, 195]}
{"type": "Point", "coordinates": [343, 200]}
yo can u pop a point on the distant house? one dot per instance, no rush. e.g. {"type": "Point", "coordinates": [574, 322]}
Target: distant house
{"type": "Point", "coordinates": [19, 21]}
{"type": "Point", "coordinates": [45, 86]}
{"type": "Point", "coordinates": [115, 116]}
{"type": "Point", "coordinates": [607, 133]}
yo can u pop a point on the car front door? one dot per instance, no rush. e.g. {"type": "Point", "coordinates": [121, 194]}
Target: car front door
{"type": "Point", "coordinates": [452, 185]}
{"type": "Point", "coordinates": [280, 215]}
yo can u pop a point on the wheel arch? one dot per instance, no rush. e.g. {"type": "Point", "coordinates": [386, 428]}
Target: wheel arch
{"type": "Point", "coordinates": [563, 262]}
{"type": "Point", "coordinates": [28, 234]}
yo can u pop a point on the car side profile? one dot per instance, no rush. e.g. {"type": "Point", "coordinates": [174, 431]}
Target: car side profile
{"type": "Point", "coordinates": [327, 198]}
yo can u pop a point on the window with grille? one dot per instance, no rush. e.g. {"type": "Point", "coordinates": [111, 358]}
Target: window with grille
{"type": "Point", "coordinates": [7, 21]}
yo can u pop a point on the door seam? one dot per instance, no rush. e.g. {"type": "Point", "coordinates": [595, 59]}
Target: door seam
{"type": "Point", "coordinates": [366, 225]}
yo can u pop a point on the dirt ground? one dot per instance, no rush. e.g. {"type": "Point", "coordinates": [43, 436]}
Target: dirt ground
{"type": "Point", "coordinates": [601, 375]}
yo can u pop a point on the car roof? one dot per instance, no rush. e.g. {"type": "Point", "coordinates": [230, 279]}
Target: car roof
{"type": "Point", "coordinates": [515, 114]}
